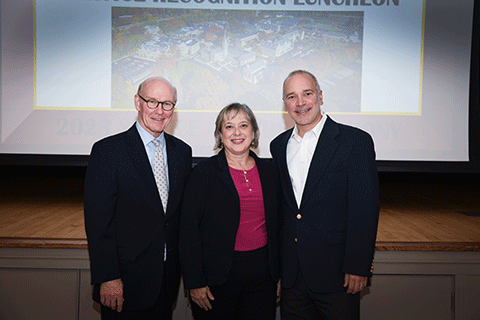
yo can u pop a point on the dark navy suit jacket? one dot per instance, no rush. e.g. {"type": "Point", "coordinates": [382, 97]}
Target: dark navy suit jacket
{"type": "Point", "coordinates": [334, 230]}
{"type": "Point", "coordinates": [124, 219]}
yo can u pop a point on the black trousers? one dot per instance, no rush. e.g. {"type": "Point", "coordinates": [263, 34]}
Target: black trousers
{"type": "Point", "coordinates": [299, 303]}
{"type": "Point", "coordinates": [248, 294]}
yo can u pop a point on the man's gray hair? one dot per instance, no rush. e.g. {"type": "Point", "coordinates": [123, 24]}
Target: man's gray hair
{"type": "Point", "coordinates": [174, 90]}
{"type": "Point", "coordinates": [317, 86]}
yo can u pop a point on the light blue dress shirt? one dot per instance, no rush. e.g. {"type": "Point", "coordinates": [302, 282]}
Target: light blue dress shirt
{"type": "Point", "coordinates": [150, 147]}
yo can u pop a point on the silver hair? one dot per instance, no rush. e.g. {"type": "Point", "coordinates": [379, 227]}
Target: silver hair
{"type": "Point", "coordinates": [174, 90]}
{"type": "Point", "coordinates": [317, 86]}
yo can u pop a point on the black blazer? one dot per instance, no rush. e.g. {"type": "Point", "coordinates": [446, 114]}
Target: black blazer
{"type": "Point", "coordinates": [124, 219]}
{"type": "Point", "coordinates": [334, 230]}
{"type": "Point", "coordinates": [211, 216]}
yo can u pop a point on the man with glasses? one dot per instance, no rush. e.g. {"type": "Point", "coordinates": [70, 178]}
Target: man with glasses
{"type": "Point", "coordinates": [133, 190]}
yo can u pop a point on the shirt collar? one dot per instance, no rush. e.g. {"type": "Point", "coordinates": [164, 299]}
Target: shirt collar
{"type": "Point", "coordinates": [147, 137]}
{"type": "Point", "coordinates": [317, 130]}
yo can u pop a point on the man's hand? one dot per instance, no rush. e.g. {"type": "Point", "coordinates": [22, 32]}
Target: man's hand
{"type": "Point", "coordinates": [201, 297]}
{"type": "Point", "coordinates": [111, 294]}
{"type": "Point", "coordinates": [354, 284]}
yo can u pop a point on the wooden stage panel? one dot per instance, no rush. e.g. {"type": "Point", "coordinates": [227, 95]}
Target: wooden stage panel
{"type": "Point", "coordinates": [426, 217]}
{"type": "Point", "coordinates": [413, 217]}
{"type": "Point", "coordinates": [42, 213]}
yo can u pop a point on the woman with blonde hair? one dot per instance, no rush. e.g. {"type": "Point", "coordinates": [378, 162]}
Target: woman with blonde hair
{"type": "Point", "coordinates": [229, 242]}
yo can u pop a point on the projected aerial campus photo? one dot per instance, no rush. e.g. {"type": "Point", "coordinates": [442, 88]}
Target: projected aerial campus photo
{"type": "Point", "coordinates": [219, 56]}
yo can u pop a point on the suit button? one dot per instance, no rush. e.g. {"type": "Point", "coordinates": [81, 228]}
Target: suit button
{"type": "Point", "coordinates": [299, 216]}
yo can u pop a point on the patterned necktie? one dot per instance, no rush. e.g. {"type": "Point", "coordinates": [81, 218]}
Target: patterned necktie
{"type": "Point", "coordinates": [160, 174]}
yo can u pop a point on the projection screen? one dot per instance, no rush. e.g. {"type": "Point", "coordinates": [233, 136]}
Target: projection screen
{"type": "Point", "coordinates": [398, 69]}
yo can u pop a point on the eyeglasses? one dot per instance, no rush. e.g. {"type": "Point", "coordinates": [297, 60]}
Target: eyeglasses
{"type": "Point", "coordinates": [153, 104]}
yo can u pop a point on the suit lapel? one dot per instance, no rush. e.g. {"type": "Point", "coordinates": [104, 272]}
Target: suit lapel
{"type": "Point", "coordinates": [173, 158]}
{"type": "Point", "coordinates": [140, 160]}
{"type": "Point", "coordinates": [265, 181]}
{"type": "Point", "coordinates": [284, 174]}
{"type": "Point", "coordinates": [225, 176]}
{"type": "Point", "coordinates": [324, 151]}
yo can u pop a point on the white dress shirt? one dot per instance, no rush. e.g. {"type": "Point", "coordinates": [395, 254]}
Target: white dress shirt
{"type": "Point", "coordinates": [299, 156]}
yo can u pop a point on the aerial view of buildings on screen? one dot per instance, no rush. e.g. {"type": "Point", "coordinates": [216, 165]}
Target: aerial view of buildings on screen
{"type": "Point", "coordinates": [218, 56]}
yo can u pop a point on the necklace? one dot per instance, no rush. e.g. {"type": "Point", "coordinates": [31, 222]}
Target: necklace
{"type": "Point", "coordinates": [246, 180]}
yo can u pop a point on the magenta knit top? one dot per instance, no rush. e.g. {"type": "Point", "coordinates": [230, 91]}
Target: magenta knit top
{"type": "Point", "coordinates": [252, 231]}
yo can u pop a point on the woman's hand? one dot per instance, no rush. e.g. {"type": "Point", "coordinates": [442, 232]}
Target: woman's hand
{"type": "Point", "coordinates": [202, 297]}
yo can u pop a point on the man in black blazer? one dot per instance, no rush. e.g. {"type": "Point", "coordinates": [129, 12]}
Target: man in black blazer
{"type": "Point", "coordinates": [132, 238]}
{"type": "Point", "coordinates": [331, 205]}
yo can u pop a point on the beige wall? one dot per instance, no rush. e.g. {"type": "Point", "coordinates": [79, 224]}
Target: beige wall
{"type": "Point", "coordinates": [55, 284]}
